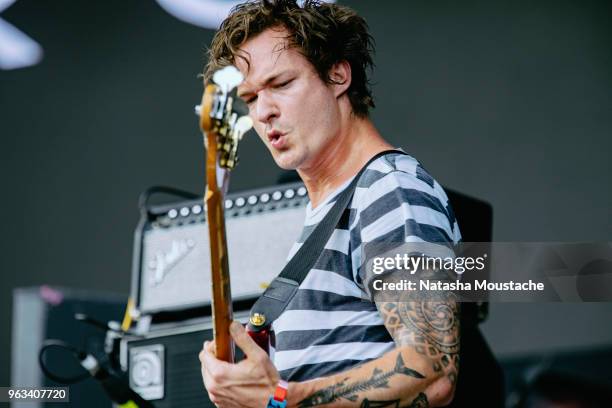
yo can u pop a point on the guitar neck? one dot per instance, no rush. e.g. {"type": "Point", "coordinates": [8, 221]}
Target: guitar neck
{"type": "Point", "coordinates": [223, 120]}
{"type": "Point", "coordinates": [221, 291]}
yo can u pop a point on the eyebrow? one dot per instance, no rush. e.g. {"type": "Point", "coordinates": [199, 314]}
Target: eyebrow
{"type": "Point", "coordinates": [268, 81]}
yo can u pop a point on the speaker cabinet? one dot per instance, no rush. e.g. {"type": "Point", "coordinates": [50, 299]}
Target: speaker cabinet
{"type": "Point", "coordinates": [163, 365]}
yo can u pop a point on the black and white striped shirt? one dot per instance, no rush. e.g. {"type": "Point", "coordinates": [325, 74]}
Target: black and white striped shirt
{"type": "Point", "coordinates": [328, 327]}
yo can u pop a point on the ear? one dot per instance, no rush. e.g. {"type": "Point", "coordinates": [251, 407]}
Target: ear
{"type": "Point", "coordinates": [340, 76]}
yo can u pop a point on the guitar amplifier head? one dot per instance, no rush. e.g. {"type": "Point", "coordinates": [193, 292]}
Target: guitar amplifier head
{"type": "Point", "coordinates": [172, 254]}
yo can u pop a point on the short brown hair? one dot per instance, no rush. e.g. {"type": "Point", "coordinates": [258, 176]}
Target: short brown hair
{"type": "Point", "coordinates": [324, 33]}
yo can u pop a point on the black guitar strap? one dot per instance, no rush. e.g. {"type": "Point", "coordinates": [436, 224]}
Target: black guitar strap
{"type": "Point", "coordinates": [277, 296]}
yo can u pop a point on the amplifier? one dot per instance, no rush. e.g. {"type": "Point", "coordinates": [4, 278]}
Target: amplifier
{"type": "Point", "coordinates": [163, 365]}
{"type": "Point", "coordinates": [171, 269]}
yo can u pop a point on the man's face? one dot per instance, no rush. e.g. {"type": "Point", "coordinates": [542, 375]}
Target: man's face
{"type": "Point", "coordinates": [294, 112]}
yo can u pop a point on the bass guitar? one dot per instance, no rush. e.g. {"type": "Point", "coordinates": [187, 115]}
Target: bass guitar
{"type": "Point", "coordinates": [223, 120]}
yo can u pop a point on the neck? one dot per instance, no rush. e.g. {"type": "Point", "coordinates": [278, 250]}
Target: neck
{"type": "Point", "coordinates": [342, 159]}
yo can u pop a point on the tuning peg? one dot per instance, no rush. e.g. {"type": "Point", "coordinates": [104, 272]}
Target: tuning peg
{"type": "Point", "coordinates": [243, 124]}
{"type": "Point", "coordinates": [228, 78]}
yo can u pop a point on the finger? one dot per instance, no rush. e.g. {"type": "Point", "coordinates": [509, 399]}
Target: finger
{"type": "Point", "coordinates": [207, 347]}
{"type": "Point", "coordinates": [243, 340]}
{"type": "Point", "coordinates": [214, 367]}
{"type": "Point", "coordinates": [210, 347]}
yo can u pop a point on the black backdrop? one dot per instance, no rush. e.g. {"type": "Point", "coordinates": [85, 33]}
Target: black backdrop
{"type": "Point", "coordinates": [508, 101]}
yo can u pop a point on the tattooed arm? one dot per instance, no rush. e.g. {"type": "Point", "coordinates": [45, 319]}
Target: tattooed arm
{"type": "Point", "coordinates": [385, 382]}
{"type": "Point", "coordinates": [429, 328]}
{"type": "Point", "coordinates": [420, 372]}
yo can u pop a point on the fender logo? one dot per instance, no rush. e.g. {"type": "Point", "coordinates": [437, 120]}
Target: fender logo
{"type": "Point", "coordinates": [165, 261]}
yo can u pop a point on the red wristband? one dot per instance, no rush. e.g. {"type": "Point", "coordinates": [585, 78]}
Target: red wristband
{"type": "Point", "coordinates": [280, 394]}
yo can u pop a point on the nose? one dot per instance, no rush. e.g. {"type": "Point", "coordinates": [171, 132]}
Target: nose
{"type": "Point", "coordinates": [267, 109]}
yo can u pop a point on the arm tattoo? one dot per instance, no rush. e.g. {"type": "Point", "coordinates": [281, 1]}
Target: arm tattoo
{"type": "Point", "coordinates": [419, 402]}
{"type": "Point", "coordinates": [350, 390]}
{"type": "Point", "coordinates": [366, 403]}
{"type": "Point", "coordinates": [428, 322]}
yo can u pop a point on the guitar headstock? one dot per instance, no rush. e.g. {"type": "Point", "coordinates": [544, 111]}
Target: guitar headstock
{"type": "Point", "coordinates": [223, 117]}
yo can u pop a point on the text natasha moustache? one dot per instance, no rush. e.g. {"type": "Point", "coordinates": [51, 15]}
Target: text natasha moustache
{"type": "Point", "coordinates": [457, 285]}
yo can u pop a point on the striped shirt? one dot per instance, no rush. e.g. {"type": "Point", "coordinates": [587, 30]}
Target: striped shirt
{"type": "Point", "coordinates": [328, 327]}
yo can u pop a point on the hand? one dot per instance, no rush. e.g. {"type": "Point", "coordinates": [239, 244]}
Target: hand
{"type": "Point", "coordinates": [246, 384]}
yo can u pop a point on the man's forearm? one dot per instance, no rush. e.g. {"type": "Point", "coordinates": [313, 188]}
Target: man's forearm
{"type": "Point", "coordinates": [400, 378]}
{"type": "Point", "coordinates": [420, 372]}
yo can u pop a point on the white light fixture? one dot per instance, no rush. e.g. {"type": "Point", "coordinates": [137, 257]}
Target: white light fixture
{"type": "Point", "coordinates": [202, 13]}
{"type": "Point", "coordinates": [17, 50]}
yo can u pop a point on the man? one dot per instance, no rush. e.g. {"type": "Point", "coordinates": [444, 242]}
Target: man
{"type": "Point", "coordinates": [306, 87]}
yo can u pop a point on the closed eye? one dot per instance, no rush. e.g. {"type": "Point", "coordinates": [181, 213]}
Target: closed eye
{"type": "Point", "coordinates": [283, 84]}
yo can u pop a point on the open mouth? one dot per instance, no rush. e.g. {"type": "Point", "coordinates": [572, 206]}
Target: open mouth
{"type": "Point", "coordinates": [277, 139]}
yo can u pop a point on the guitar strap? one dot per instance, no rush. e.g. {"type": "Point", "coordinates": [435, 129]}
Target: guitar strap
{"type": "Point", "coordinates": [283, 288]}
